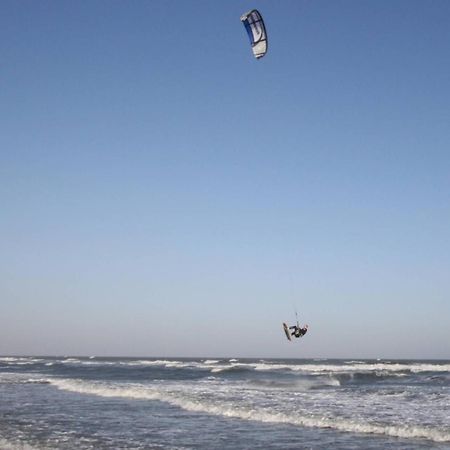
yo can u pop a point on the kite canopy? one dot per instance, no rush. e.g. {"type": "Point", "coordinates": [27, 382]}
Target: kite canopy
{"type": "Point", "coordinates": [256, 30]}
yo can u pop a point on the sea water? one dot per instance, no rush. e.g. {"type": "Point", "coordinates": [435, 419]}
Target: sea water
{"type": "Point", "coordinates": [148, 403]}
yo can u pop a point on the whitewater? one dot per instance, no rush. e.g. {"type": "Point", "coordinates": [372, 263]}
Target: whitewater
{"type": "Point", "coordinates": [214, 403]}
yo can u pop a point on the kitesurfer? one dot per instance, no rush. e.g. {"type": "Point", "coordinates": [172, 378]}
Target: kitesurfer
{"type": "Point", "coordinates": [298, 331]}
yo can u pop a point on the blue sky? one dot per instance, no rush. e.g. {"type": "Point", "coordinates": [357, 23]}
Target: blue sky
{"type": "Point", "coordinates": [164, 194]}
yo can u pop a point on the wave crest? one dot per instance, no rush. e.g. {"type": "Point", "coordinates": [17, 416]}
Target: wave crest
{"type": "Point", "coordinates": [228, 409]}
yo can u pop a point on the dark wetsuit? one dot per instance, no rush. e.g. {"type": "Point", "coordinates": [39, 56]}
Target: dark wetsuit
{"type": "Point", "coordinates": [298, 332]}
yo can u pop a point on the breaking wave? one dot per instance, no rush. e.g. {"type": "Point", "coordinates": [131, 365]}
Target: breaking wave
{"type": "Point", "coordinates": [265, 414]}
{"type": "Point", "coordinates": [318, 366]}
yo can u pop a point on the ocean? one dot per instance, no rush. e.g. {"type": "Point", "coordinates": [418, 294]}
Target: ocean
{"type": "Point", "coordinates": [184, 403]}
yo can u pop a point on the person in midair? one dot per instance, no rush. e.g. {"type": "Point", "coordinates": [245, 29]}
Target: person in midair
{"type": "Point", "coordinates": [298, 331]}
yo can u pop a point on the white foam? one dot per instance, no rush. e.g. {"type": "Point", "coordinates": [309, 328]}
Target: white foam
{"type": "Point", "coordinates": [354, 367]}
{"type": "Point", "coordinates": [264, 414]}
{"type": "Point", "coordinates": [159, 362]}
{"type": "Point", "coordinates": [70, 361]}
{"type": "Point", "coordinates": [143, 362]}
{"type": "Point", "coordinates": [6, 444]}
{"type": "Point", "coordinates": [21, 378]}
{"type": "Point", "coordinates": [97, 363]}
{"type": "Point", "coordinates": [20, 361]}
{"type": "Point", "coordinates": [398, 369]}
{"type": "Point", "coordinates": [376, 367]}
{"type": "Point", "coordinates": [218, 369]}
{"type": "Point", "coordinates": [37, 381]}
{"type": "Point", "coordinates": [331, 382]}
{"type": "Point", "coordinates": [229, 367]}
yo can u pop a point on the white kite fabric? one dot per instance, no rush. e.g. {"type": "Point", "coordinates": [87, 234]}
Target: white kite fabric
{"type": "Point", "coordinates": [256, 31]}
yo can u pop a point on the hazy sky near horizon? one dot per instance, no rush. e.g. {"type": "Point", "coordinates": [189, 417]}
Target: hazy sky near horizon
{"type": "Point", "coordinates": [163, 193]}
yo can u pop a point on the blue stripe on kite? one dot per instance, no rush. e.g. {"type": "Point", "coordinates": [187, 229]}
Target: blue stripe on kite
{"type": "Point", "coordinates": [249, 32]}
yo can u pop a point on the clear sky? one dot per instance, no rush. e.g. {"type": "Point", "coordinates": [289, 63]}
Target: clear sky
{"type": "Point", "coordinates": [163, 193]}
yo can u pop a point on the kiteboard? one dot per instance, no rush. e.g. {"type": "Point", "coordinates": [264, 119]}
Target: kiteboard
{"type": "Point", "coordinates": [286, 330]}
